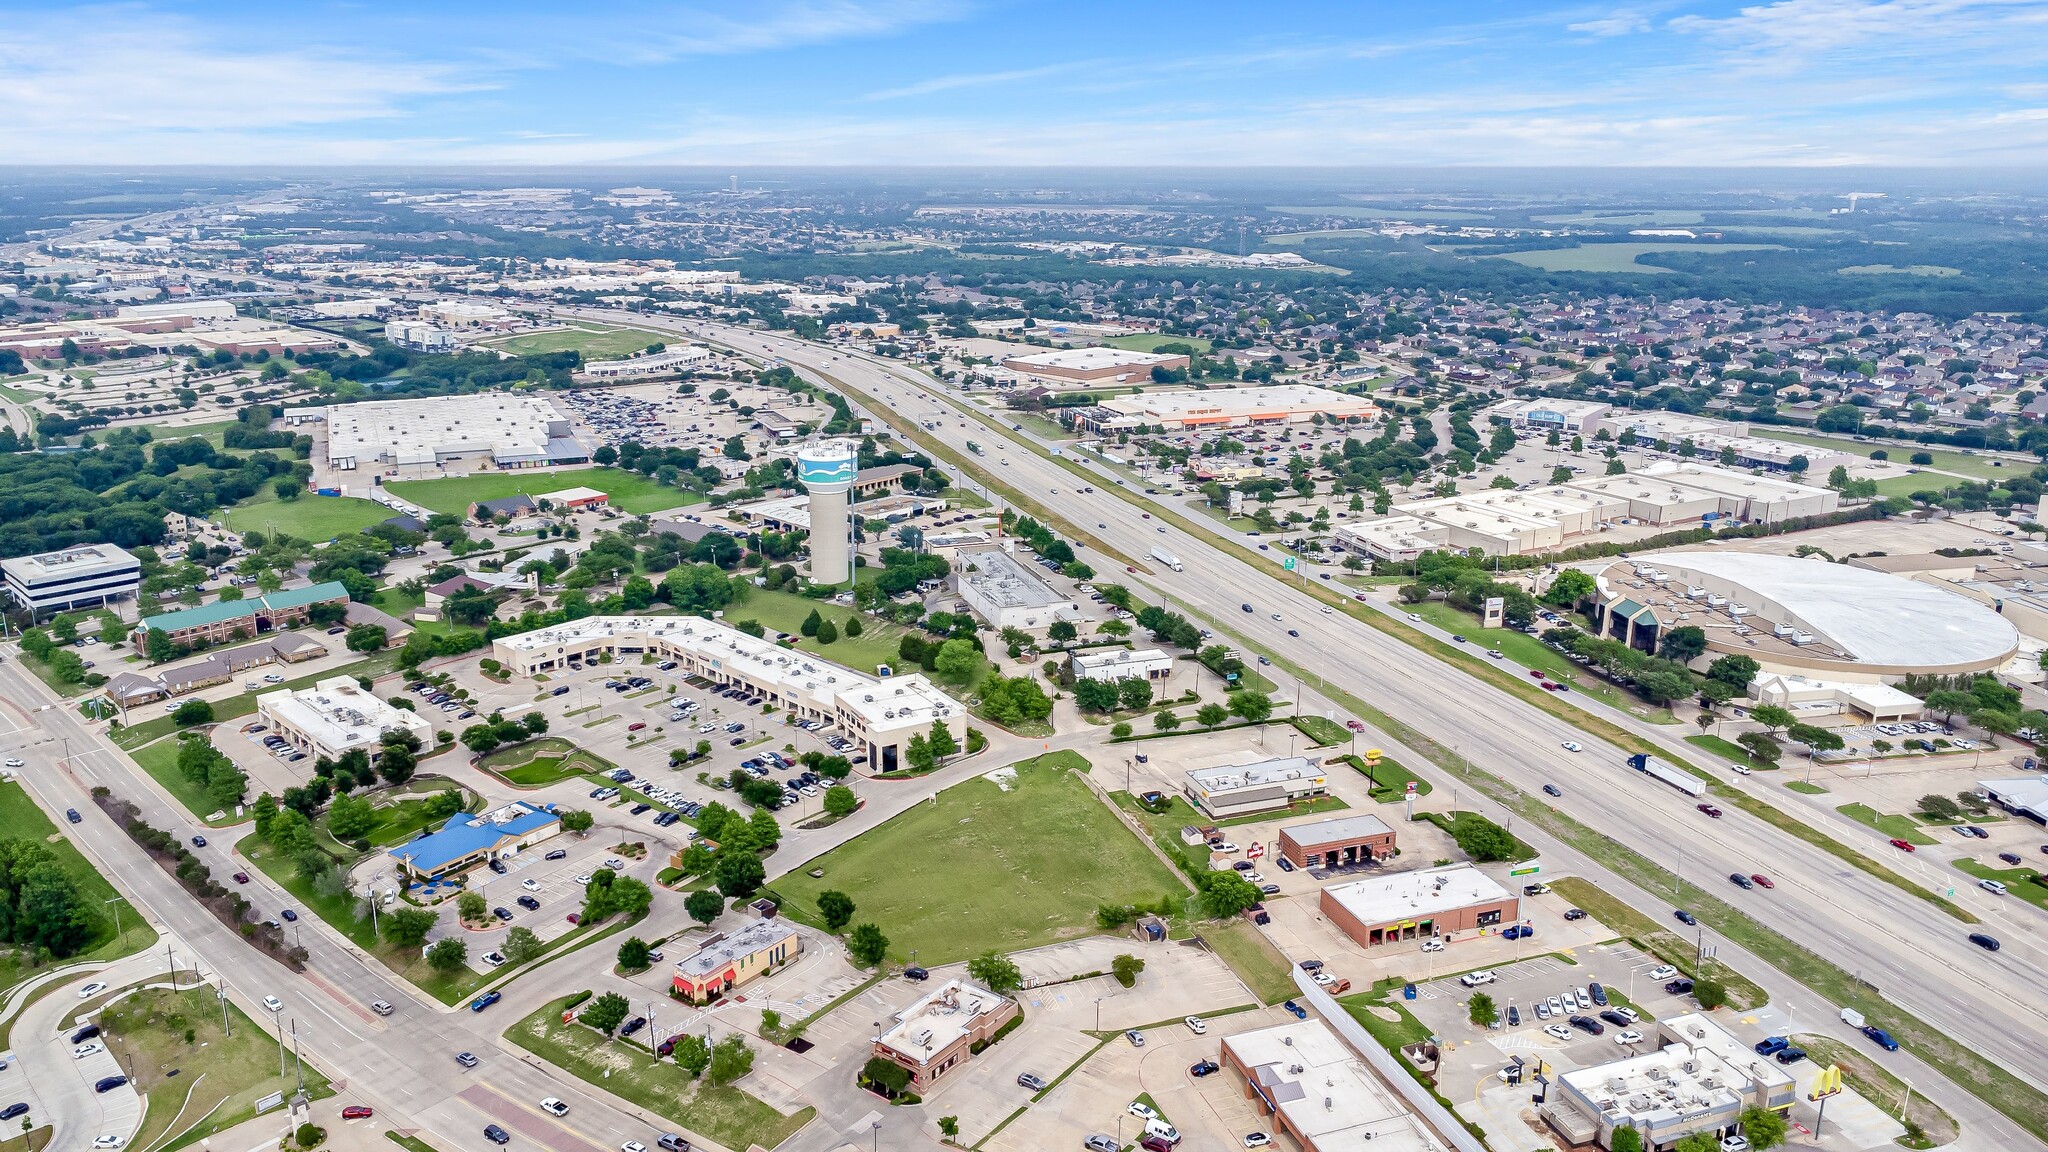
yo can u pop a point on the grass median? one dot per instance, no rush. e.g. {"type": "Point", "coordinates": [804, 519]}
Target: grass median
{"type": "Point", "coordinates": [198, 1080]}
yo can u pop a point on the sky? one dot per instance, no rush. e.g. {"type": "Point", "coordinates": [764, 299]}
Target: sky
{"type": "Point", "coordinates": [986, 83]}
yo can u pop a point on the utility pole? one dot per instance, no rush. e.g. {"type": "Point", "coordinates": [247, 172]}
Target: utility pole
{"type": "Point", "coordinates": [220, 992]}
{"type": "Point", "coordinates": [296, 1062]}
{"type": "Point", "coordinates": [277, 1026]}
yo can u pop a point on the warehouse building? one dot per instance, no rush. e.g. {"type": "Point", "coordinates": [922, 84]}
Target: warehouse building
{"type": "Point", "coordinates": [419, 336]}
{"type": "Point", "coordinates": [725, 962]}
{"type": "Point", "coordinates": [89, 575]}
{"type": "Point", "coordinates": [243, 619]}
{"type": "Point", "coordinates": [1337, 843]}
{"type": "Point", "coordinates": [1093, 365]}
{"type": "Point", "coordinates": [1265, 786]}
{"type": "Point", "coordinates": [1806, 616]}
{"type": "Point", "coordinates": [1717, 440]}
{"type": "Point", "coordinates": [1408, 906]}
{"type": "Point", "coordinates": [457, 434]}
{"type": "Point", "coordinates": [1317, 1090]}
{"type": "Point", "coordinates": [1697, 1077]}
{"type": "Point", "coordinates": [1121, 664]}
{"type": "Point", "coordinates": [1006, 594]}
{"type": "Point", "coordinates": [1272, 404]}
{"type": "Point", "coordinates": [1543, 414]}
{"type": "Point", "coordinates": [937, 1033]}
{"type": "Point", "coordinates": [879, 714]}
{"type": "Point", "coordinates": [336, 716]}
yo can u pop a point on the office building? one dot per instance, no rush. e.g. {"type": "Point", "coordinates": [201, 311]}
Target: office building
{"type": "Point", "coordinates": [1241, 789]}
{"type": "Point", "coordinates": [419, 336]}
{"type": "Point", "coordinates": [879, 715]}
{"type": "Point", "coordinates": [1121, 664]}
{"type": "Point", "coordinates": [88, 575]}
{"type": "Point", "coordinates": [1408, 906]}
{"type": "Point", "coordinates": [1337, 843]}
{"type": "Point", "coordinates": [336, 716]}
{"type": "Point", "coordinates": [1315, 1089]}
{"type": "Point", "coordinates": [727, 961]}
{"type": "Point", "coordinates": [1689, 1075]}
{"type": "Point", "coordinates": [826, 470]}
{"type": "Point", "coordinates": [935, 1034]}
{"type": "Point", "coordinates": [997, 587]}
{"type": "Point", "coordinates": [243, 619]}
{"type": "Point", "coordinates": [456, 434]}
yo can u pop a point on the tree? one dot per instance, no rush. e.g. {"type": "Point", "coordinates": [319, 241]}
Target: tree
{"type": "Point", "coordinates": [836, 908]}
{"type": "Point", "coordinates": [1210, 715]}
{"type": "Point", "coordinates": [703, 905]}
{"type": "Point", "coordinates": [995, 972]}
{"type": "Point", "coordinates": [731, 1059]}
{"type": "Point", "coordinates": [1061, 631]}
{"type": "Point", "coordinates": [606, 1012]}
{"type": "Point", "coordinates": [1482, 839]}
{"type": "Point", "coordinates": [192, 712]}
{"type": "Point", "coordinates": [866, 945]}
{"type": "Point", "coordinates": [1711, 993]}
{"type": "Point", "coordinates": [471, 906]}
{"type": "Point", "coordinates": [810, 625]}
{"type": "Point", "coordinates": [397, 764]}
{"type": "Point", "coordinates": [1734, 670]}
{"type": "Point", "coordinates": [1940, 808]}
{"type": "Point", "coordinates": [1683, 644]}
{"type": "Point", "coordinates": [1761, 746]}
{"type": "Point", "coordinates": [448, 956]}
{"type": "Point", "coordinates": [1133, 693]}
{"type": "Point", "coordinates": [1252, 706]}
{"type": "Point", "coordinates": [1125, 967]}
{"type": "Point", "coordinates": [1625, 1140]}
{"type": "Point", "coordinates": [917, 753]}
{"type": "Point", "coordinates": [522, 945]}
{"type": "Point", "coordinates": [738, 874]}
{"type": "Point", "coordinates": [1226, 893]}
{"type": "Point", "coordinates": [1815, 738]}
{"type": "Point", "coordinates": [367, 638]}
{"type": "Point", "coordinates": [1697, 1142]}
{"type": "Point", "coordinates": [949, 1127]}
{"type": "Point", "coordinates": [1771, 717]}
{"type": "Point", "coordinates": [1949, 701]}
{"type": "Point", "coordinates": [1765, 1128]}
{"type": "Point", "coordinates": [1570, 587]}
{"type": "Point", "coordinates": [1165, 721]}
{"type": "Point", "coordinates": [407, 927]}
{"type": "Point", "coordinates": [957, 661]}
{"type": "Point", "coordinates": [577, 820]}
{"type": "Point", "coordinates": [633, 954]}
{"type": "Point", "coordinates": [840, 801]}
{"type": "Point", "coordinates": [828, 632]}
{"type": "Point", "coordinates": [349, 817]}
{"type": "Point", "coordinates": [941, 741]}
{"type": "Point", "coordinates": [1481, 1011]}
{"type": "Point", "coordinates": [693, 1052]}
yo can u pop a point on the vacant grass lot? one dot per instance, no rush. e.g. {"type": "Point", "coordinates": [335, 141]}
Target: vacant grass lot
{"type": "Point", "coordinates": [1530, 652]}
{"type": "Point", "coordinates": [982, 868]}
{"type": "Point", "coordinates": [1619, 257]}
{"type": "Point", "coordinates": [630, 491]}
{"type": "Point", "coordinates": [21, 818]}
{"type": "Point", "coordinates": [310, 517]}
{"type": "Point", "coordinates": [1945, 459]}
{"type": "Point", "coordinates": [160, 760]}
{"type": "Point", "coordinates": [727, 1115]}
{"type": "Point", "coordinates": [595, 341]}
{"type": "Point", "coordinates": [1895, 826]}
{"type": "Point", "coordinates": [202, 1085]}
{"type": "Point", "coordinates": [539, 763]}
{"type": "Point", "coordinates": [1150, 342]}
{"type": "Point", "coordinates": [1730, 750]}
{"type": "Point", "coordinates": [1260, 965]}
{"type": "Point", "coordinates": [1390, 779]}
{"type": "Point", "coordinates": [786, 611]}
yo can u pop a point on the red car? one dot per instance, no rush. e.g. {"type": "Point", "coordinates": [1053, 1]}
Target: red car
{"type": "Point", "coordinates": [1354, 725]}
{"type": "Point", "coordinates": [635, 726]}
{"type": "Point", "coordinates": [575, 917]}
{"type": "Point", "coordinates": [241, 877]}
{"type": "Point", "coordinates": [356, 1112]}
{"type": "Point", "coordinates": [1535, 675]}
{"type": "Point", "coordinates": [1710, 810]}
{"type": "Point", "coordinates": [1762, 881]}
{"type": "Point", "coordinates": [1903, 845]}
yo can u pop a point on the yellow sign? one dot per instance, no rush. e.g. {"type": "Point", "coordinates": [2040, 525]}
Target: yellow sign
{"type": "Point", "coordinates": [1828, 1083]}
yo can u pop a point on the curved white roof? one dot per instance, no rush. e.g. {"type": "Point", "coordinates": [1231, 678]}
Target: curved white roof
{"type": "Point", "coordinates": [1874, 616]}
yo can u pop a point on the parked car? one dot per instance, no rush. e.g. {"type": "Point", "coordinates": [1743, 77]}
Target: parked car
{"type": "Point", "coordinates": [1031, 1080]}
{"type": "Point", "coordinates": [357, 1112]}
{"type": "Point", "coordinates": [1201, 1068]}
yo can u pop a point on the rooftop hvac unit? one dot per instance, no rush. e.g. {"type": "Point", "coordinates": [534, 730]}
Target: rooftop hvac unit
{"type": "Point", "coordinates": [1783, 630]}
{"type": "Point", "coordinates": [1717, 601]}
{"type": "Point", "coordinates": [1741, 610]}
{"type": "Point", "coordinates": [1695, 593]}
{"type": "Point", "coordinates": [1802, 638]}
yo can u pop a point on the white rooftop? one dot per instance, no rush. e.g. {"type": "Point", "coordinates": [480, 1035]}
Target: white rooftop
{"type": "Point", "coordinates": [510, 428]}
{"type": "Point", "coordinates": [1242, 403]}
{"type": "Point", "coordinates": [937, 1019]}
{"type": "Point", "coordinates": [1119, 657]}
{"type": "Point", "coordinates": [1326, 1093]}
{"type": "Point", "coordinates": [1089, 359]}
{"type": "Point", "coordinates": [79, 560]}
{"type": "Point", "coordinates": [1412, 895]}
{"type": "Point", "coordinates": [732, 947]}
{"type": "Point", "coordinates": [337, 713]}
{"type": "Point", "coordinates": [1874, 617]}
{"type": "Point", "coordinates": [997, 578]}
{"type": "Point", "coordinates": [1279, 770]}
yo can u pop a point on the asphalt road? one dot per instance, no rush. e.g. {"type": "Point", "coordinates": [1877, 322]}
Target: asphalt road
{"type": "Point", "coordinates": [1916, 955]}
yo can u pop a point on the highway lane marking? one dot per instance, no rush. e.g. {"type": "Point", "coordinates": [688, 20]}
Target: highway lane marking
{"type": "Point", "coordinates": [526, 1120]}
{"type": "Point", "coordinates": [335, 991]}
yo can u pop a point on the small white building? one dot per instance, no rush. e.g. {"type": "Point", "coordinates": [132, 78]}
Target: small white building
{"type": "Point", "coordinates": [1122, 664]}
{"type": "Point", "coordinates": [336, 716]}
{"type": "Point", "coordinates": [1001, 590]}
{"type": "Point", "coordinates": [1264, 786]}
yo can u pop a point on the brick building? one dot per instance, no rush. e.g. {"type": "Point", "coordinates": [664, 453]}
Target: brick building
{"type": "Point", "coordinates": [1417, 905]}
{"type": "Point", "coordinates": [245, 619]}
{"type": "Point", "coordinates": [1337, 842]}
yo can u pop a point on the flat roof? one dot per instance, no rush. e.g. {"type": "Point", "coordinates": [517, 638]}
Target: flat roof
{"type": "Point", "coordinates": [1336, 829]}
{"type": "Point", "coordinates": [721, 951]}
{"type": "Point", "coordinates": [1412, 895]}
{"type": "Point", "coordinates": [505, 426]}
{"type": "Point", "coordinates": [1279, 770]}
{"type": "Point", "coordinates": [2026, 793]}
{"type": "Point", "coordinates": [1115, 657]}
{"type": "Point", "coordinates": [1872, 617]}
{"type": "Point", "coordinates": [998, 578]}
{"type": "Point", "coordinates": [1090, 359]}
{"type": "Point", "coordinates": [1325, 1092]}
{"type": "Point", "coordinates": [338, 713]}
{"type": "Point", "coordinates": [69, 563]}
{"type": "Point", "coordinates": [1241, 402]}
{"type": "Point", "coordinates": [937, 1019]}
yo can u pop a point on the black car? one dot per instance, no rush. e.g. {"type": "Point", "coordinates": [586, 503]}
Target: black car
{"type": "Point", "coordinates": [200, 842]}
{"type": "Point", "coordinates": [1598, 993]}
{"type": "Point", "coordinates": [529, 903]}
{"type": "Point", "coordinates": [498, 866]}
{"type": "Point", "coordinates": [289, 915]}
{"type": "Point", "coordinates": [1678, 987]}
{"type": "Point", "coordinates": [1614, 1018]}
{"type": "Point", "coordinates": [13, 1110]}
{"type": "Point", "coordinates": [633, 1025]}
{"type": "Point", "coordinates": [1514, 1016]}
{"type": "Point", "coordinates": [1987, 943]}
{"type": "Point", "coordinates": [563, 690]}
{"type": "Point", "coordinates": [1286, 865]}
{"type": "Point", "coordinates": [108, 1083]}
{"type": "Point", "coordinates": [1202, 1068]}
{"type": "Point", "coordinates": [502, 913]}
{"type": "Point", "coordinates": [637, 809]}
{"type": "Point", "coordinates": [1688, 918]}
{"type": "Point", "coordinates": [2009, 857]}
{"type": "Point", "coordinates": [497, 1135]}
{"type": "Point", "coordinates": [915, 973]}
{"type": "Point", "coordinates": [1588, 1024]}
{"type": "Point", "coordinates": [1552, 790]}
{"type": "Point", "coordinates": [1741, 881]}
{"type": "Point", "coordinates": [85, 1033]}
{"type": "Point", "coordinates": [557, 854]}
{"type": "Point", "coordinates": [1575, 913]}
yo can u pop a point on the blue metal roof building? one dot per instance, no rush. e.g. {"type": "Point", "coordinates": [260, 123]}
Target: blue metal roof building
{"type": "Point", "coordinates": [468, 840]}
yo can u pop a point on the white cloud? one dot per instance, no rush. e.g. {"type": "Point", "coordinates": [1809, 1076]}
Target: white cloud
{"type": "Point", "coordinates": [968, 80]}
{"type": "Point", "coordinates": [1623, 22]}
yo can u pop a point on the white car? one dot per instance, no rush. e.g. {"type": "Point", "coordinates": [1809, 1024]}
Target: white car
{"type": "Point", "coordinates": [1433, 944]}
{"type": "Point", "coordinates": [1573, 746]}
{"type": "Point", "coordinates": [1196, 1025]}
{"type": "Point", "coordinates": [554, 1107]}
{"type": "Point", "coordinates": [91, 990]}
{"type": "Point", "coordinates": [583, 879]}
{"type": "Point", "coordinates": [108, 1141]}
{"type": "Point", "coordinates": [1142, 1110]}
{"type": "Point", "coordinates": [1557, 1031]}
{"type": "Point", "coordinates": [494, 959]}
{"type": "Point", "coordinates": [84, 1050]}
{"type": "Point", "coordinates": [273, 1003]}
{"type": "Point", "coordinates": [632, 1146]}
{"type": "Point", "coordinates": [1323, 979]}
{"type": "Point", "coordinates": [1225, 847]}
{"type": "Point", "coordinates": [1255, 876]}
{"type": "Point", "coordinates": [1414, 617]}
{"type": "Point", "coordinates": [14, 762]}
{"type": "Point", "coordinates": [1628, 1036]}
{"type": "Point", "coordinates": [1556, 1007]}
{"type": "Point", "coordinates": [1661, 972]}
{"type": "Point", "coordinates": [1628, 1014]}
{"type": "Point", "coordinates": [707, 728]}
{"type": "Point", "coordinates": [1734, 1144]}
{"type": "Point", "coordinates": [1257, 1140]}
{"type": "Point", "coordinates": [614, 863]}
{"type": "Point", "coordinates": [530, 884]}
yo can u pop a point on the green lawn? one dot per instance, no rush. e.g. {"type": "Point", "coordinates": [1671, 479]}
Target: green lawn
{"type": "Point", "coordinates": [2023, 883]}
{"type": "Point", "coordinates": [1530, 652]}
{"type": "Point", "coordinates": [981, 868]}
{"type": "Point", "coordinates": [726, 1115]}
{"type": "Point", "coordinates": [631, 492]}
{"type": "Point", "coordinates": [1945, 459]}
{"type": "Point", "coordinates": [1390, 779]}
{"type": "Point", "coordinates": [1323, 731]}
{"type": "Point", "coordinates": [201, 1086]}
{"type": "Point", "coordinates": [20, 817]}
{"type": "Point", "coordinates": [1619, 257]}
{"type": "Point", "coordinates": [310, 517]}
{"type": "Point", "coordinates": [1895, 826]}
{"type": "Point", "coordinates": [1805, 789]}
{"type": "Point", "coordinates": [1730, 750]}
{"type": "Point", "coordinates": [539, 763]}
{"type": "Point", "coordinates": [1150, 342]}
{"type": "Point", "coordinates": [1260, 965]}
{"type": "Point", "coordinates": [399, 818]}
{"type": "Point", "coordinates": [786, 611]}
{"type": "Point", "coordinates": [595, 341]}
{"type": "Point", "coordinates": [160, 760]}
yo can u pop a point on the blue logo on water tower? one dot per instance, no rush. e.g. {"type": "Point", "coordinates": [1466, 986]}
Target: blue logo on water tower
{"type": "Point", "coordinates": [828, 470]}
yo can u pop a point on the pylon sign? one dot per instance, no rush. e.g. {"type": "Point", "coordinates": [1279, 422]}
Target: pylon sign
{"type": "Point", "coordinates": [1827, 1084]}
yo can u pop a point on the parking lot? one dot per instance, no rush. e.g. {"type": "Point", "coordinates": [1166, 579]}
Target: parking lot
{"type": "Point", "coordinates": [555, 888]}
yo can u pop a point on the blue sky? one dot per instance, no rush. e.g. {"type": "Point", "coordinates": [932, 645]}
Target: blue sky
{"type": "Point", "coordinates": [982, 82]}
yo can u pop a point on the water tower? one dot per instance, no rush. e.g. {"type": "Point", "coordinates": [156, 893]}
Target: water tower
{"type": "Point", "coordinates": [826, 470]}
